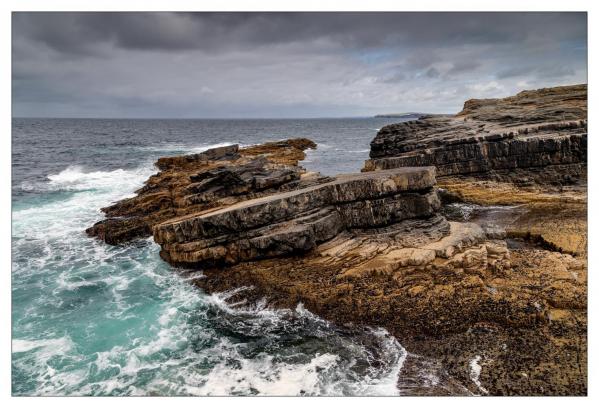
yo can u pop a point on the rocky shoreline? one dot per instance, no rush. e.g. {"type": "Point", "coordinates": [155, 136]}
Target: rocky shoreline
{"type": "Point", "coordinates": [464, 237]}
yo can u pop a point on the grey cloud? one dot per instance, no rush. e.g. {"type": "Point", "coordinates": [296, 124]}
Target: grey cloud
{"type": "Point", "coordinates": [396, 74]}
{"type": "Point", "coordinates": [432, 73]}
{"type": "Point", "coordinates": [284, 64]}
{"type": "Point", "coordinates": [513, 72]}
{"type": "Point", "coordinates": [81, 32]}
{"type": "Point", "coordinates": [552, 71]}
{"type": "Point", "coordinates": [464, 66]}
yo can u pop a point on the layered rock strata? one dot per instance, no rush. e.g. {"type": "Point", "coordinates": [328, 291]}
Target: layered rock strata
{"type": "Point", "coordinates": [479, 310]}
{"type": "Point", "coordinates": [527, 150]}
{"type": "Point", "coordinates": [297, 221]}
{"type": "Point", "coordinates": [536, 135]}
{"type": "Point", "coordinates": [199, 182]}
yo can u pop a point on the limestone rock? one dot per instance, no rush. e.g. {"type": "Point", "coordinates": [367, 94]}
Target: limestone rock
{"type": "Point", "coordinates": [298, 220]}
{"type": "Point", "coordinates": [200, 182]}
{"type": "Point", "coordinates": [524, 310]}
{"type": "Point", "coordinates": [504, 139]}
{"type": "Point", "coordinates": [378, 249]}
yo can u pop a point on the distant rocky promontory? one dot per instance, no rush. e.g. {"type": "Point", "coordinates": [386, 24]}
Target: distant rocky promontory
{"type": "Point", "coordinates": [405, 115]}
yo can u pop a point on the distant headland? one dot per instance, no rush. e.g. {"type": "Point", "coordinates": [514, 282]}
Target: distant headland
{"type": "Point", "coordinates": [408, 115]}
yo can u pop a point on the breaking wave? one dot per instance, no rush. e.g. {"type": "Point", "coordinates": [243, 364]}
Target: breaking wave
{"type": "Point", "coordinates": [91, 319]}
{"type": "Point", "coordinates": [185, 148]}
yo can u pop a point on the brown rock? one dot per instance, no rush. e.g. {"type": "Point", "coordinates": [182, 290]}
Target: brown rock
{"type": "Point", "coordinates": [298, 220]}
{"type": "Point", "coordinates": [483, 313]}
{"type": "Point", "coordinates": [200, 182]}
{"type": "Point", "coordinates": [506, 139]}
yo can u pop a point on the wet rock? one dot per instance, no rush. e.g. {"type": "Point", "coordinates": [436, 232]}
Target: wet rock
{"type": "Point", "coordinates": [376, 248]}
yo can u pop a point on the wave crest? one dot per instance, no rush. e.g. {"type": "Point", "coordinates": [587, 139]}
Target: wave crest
{"type": "Point", "coordinates": [76, 178]}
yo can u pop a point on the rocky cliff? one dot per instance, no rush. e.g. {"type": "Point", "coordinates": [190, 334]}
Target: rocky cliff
{"type": "Point", "coordinates": [527, 150]}
{"type": "Point", "coordinates": [481, 307]}
{"type": "Point", "coordinates": [536, 135]}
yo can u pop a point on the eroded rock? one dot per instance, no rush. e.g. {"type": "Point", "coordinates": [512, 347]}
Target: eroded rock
{"type": "Point", "coordinates": [506, 139]}
{"type": "Point", "coordinates": [298, 220]}
{"type": "Point", "coordinates": [199, 182]}
{"type": "Point", "coordinates": [471, 306]}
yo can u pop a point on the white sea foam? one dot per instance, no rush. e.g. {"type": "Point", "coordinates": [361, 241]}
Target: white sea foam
{"type": "Point", "coordinates": [268, 377]}
{"type": "Point", "coordinates": [184, 148]}
{"type": "Point", "coordinates": [65, 220]}
{"type": "Point", "coordinates": [76, 178]}
{"type": "Point", "coordinates": [177, 345]}
{"type": "Point", "coordinates": [230, 371]}
{"type": "Point", "coordinates": [203, 148]}
{"type": "Point", "coordinates": [475, 369]}
{"type": "Point", "coordinates": [44, 348]}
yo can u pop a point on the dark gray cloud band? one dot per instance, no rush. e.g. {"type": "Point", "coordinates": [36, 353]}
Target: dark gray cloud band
{"type": "Point", "coordinates": [284, 64]}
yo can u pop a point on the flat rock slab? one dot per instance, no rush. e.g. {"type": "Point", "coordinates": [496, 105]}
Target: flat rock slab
{"type": "Point", "coordinates": [277, 207]}
{"type": "Point", "coordinates": [297, 221]}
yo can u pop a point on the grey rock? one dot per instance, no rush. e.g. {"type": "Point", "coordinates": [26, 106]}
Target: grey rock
{"type": "Point", "coordinates": [296, 221]}
{"type": "Point", "coordinates": [503, 139]}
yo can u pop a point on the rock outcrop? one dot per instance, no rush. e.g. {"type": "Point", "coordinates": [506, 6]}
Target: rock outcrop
{"type": "Point", "coordinates": [527, 150]}
{"type": "Point", "coordinates": [533, 136]}
{"type": "Point", "coordinates": [296, 221]}
{"type": "Point", "coordinates": [448, 293]}
{"type": "Point", "coordinates": [199, 182]}
{"type": "Point", "coordinates": [490, 305]}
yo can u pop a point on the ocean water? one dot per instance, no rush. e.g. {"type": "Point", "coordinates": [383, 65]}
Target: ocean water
{"type": "Point", "coordinates": [93, 319]}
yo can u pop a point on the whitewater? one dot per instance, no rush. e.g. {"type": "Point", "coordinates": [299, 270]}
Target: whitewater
{"type": "Point", "coordinates": [93, 319]}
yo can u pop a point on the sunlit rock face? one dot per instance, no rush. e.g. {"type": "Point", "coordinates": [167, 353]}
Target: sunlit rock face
{"type": "Point", "coordinates": [298, 220]}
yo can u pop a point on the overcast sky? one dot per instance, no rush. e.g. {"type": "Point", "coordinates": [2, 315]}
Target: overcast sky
{"type": "Point", "coordinates": [202, 65]}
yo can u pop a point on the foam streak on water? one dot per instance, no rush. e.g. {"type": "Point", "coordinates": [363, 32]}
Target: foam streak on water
{"type": "Point", "coordinates": [92, 319]}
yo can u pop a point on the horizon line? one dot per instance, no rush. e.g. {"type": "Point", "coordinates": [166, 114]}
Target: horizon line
{"type": "Point", "coordinates": [375, 116]}
{"type": "Point", "coordinates": [193, 118]}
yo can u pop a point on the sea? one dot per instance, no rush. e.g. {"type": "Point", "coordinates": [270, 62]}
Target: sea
{"type": "Point", "coordinates": [94, 319]}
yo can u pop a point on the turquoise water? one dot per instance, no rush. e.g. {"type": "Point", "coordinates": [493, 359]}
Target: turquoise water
{"type": "Point", "coordinates": [92, 319]}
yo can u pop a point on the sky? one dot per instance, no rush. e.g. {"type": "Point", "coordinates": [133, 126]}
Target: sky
{"type": "Point", "coordinates": [284, 65]}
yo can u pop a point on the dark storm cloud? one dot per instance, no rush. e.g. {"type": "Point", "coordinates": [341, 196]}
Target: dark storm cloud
{"type": "Point", "coordinates": [265, 64]}
{"type": "Point", "coordinates": [81, 32]}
